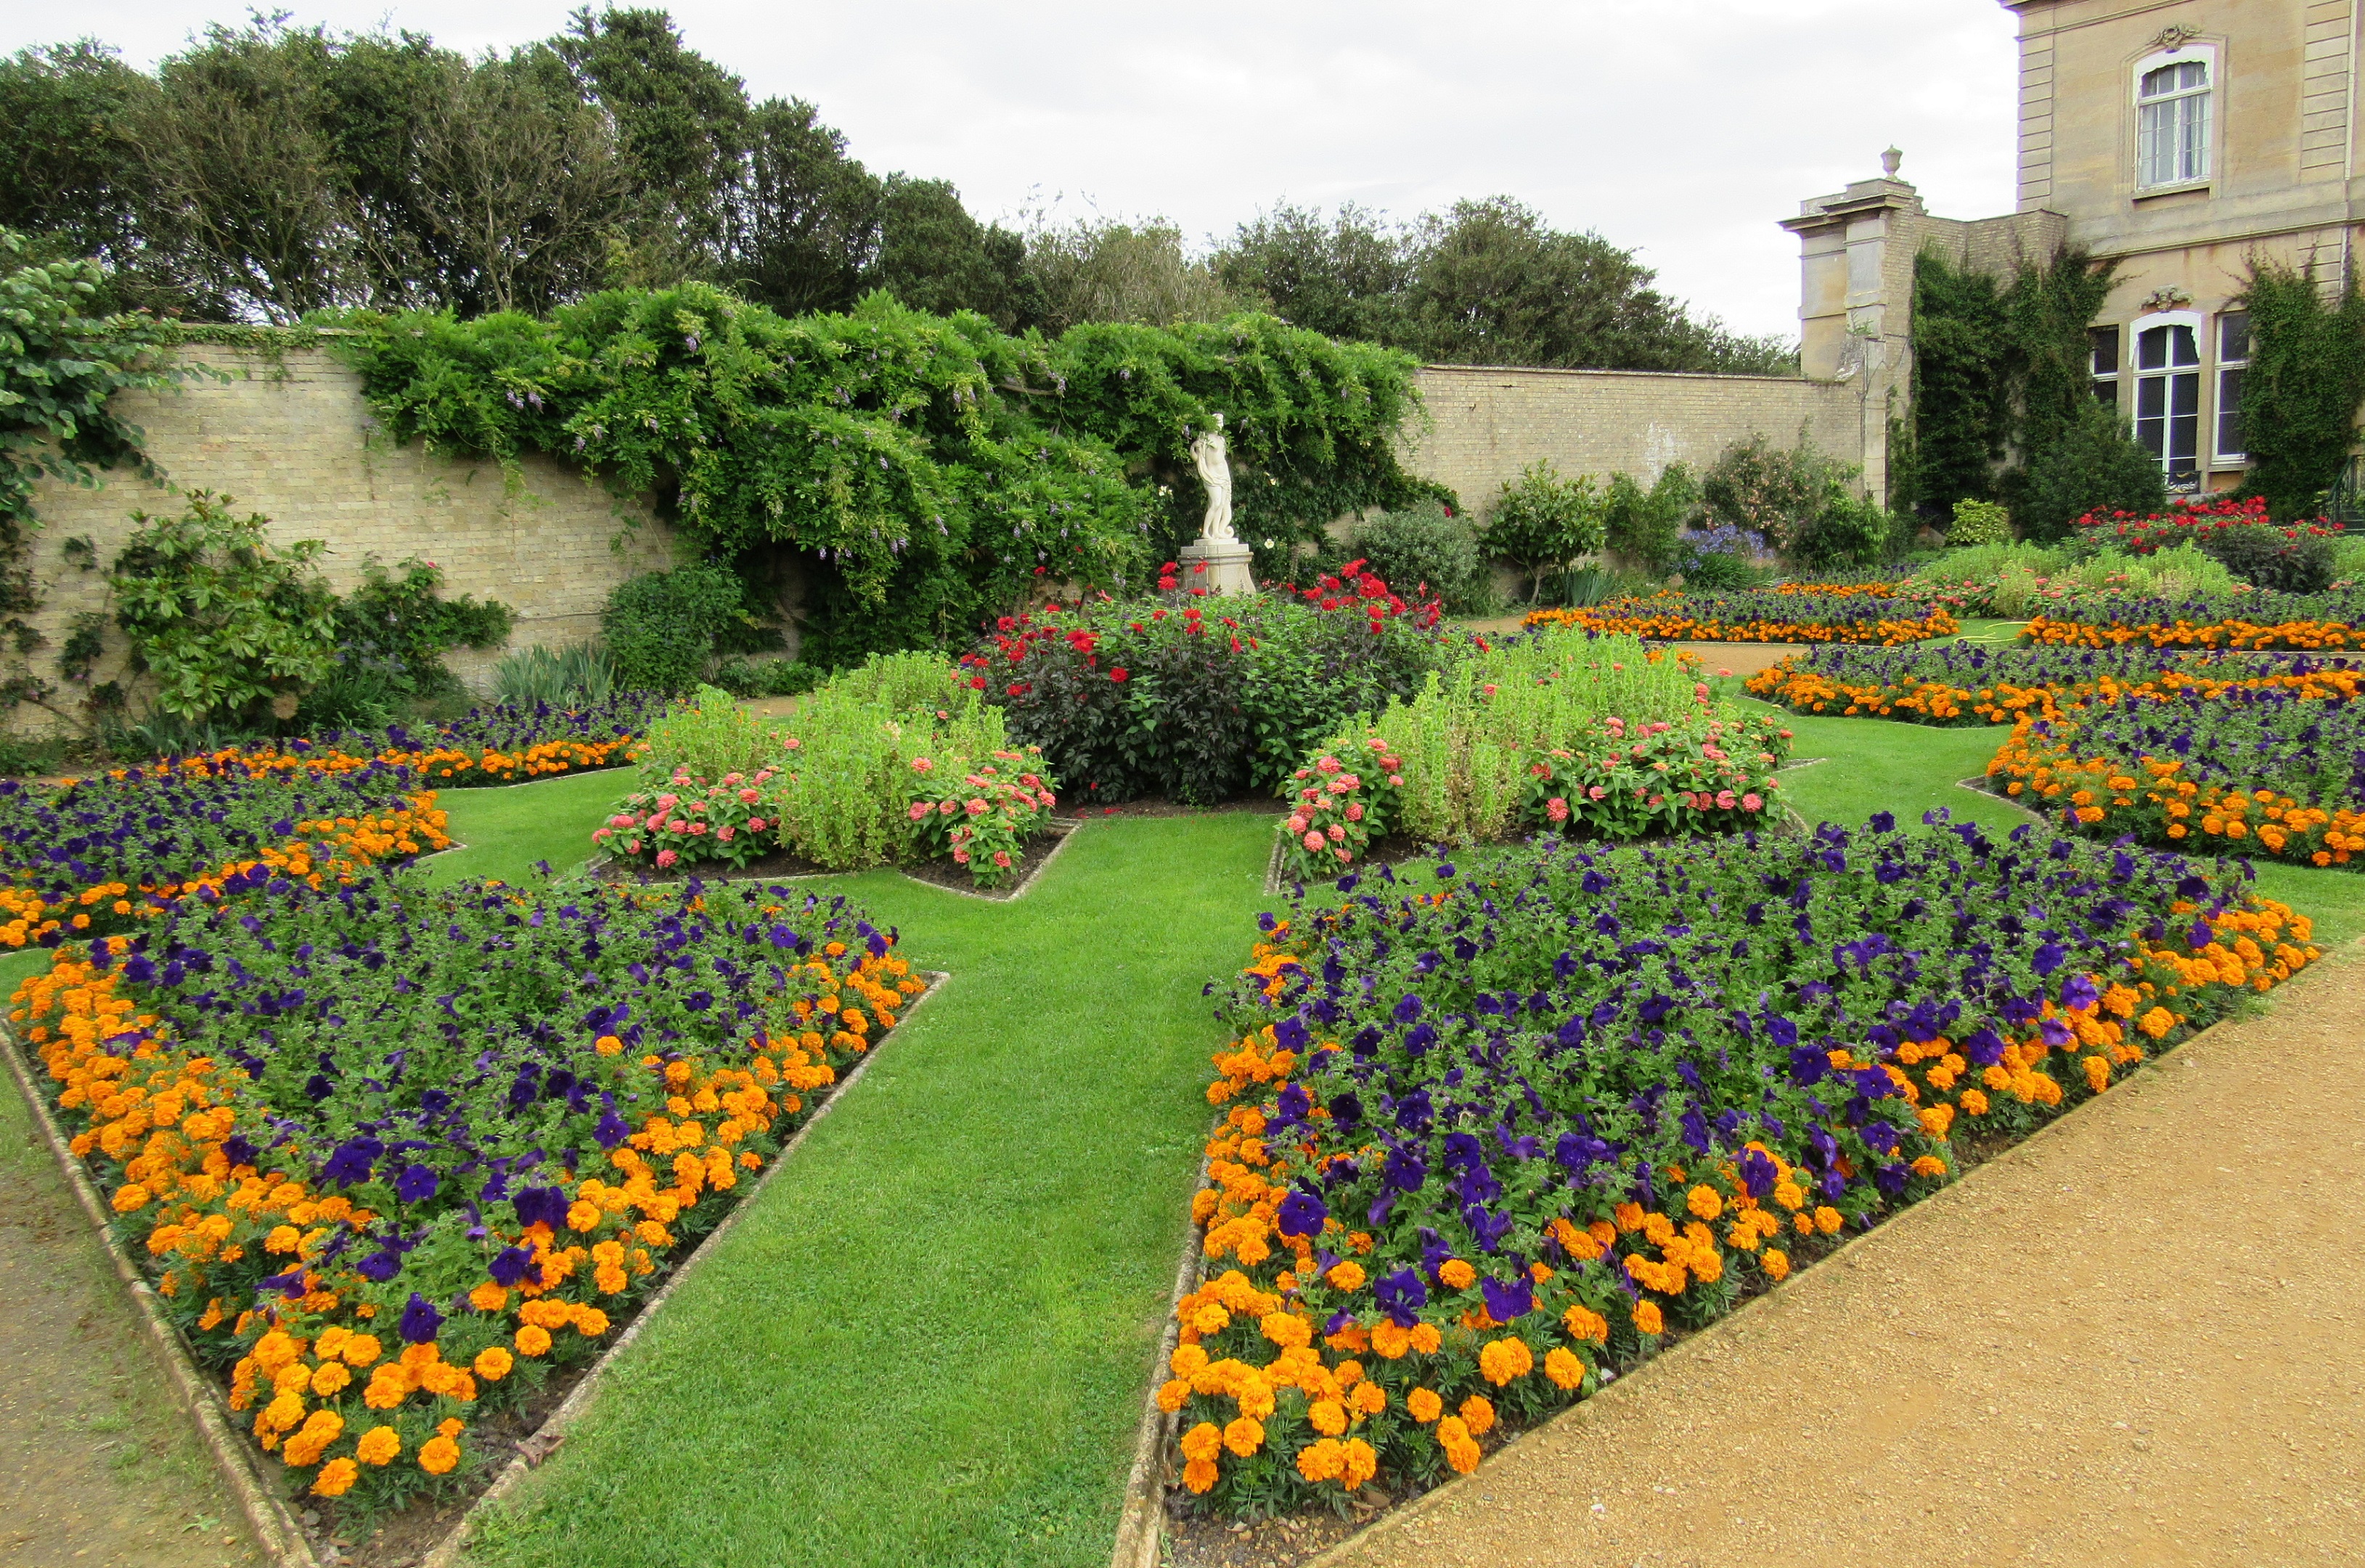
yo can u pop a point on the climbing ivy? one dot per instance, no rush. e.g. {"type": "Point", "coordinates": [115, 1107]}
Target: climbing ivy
{"type": "Point", "coordinates": [2305, 382]}
{"type": "Point", "coordinates": [934, 466]}
{"type": "Point", "coordinates": [2001, 377]}
{"type": "Point", "coordinates": [59, 369]}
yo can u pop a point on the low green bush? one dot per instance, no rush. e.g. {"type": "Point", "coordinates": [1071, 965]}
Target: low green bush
{"type": "Point", "coordinates": [768, 678]}
{"type": "Point", "coordinates": [662, 627]}
{"type": "Point", "coordinates": [1544, 522]}
{"type": "Point", "coordinates": [572, 677]}
{"type": "Point", "coordinates": [1643, 527]}
{"type": "Point", "coordinates": [1429, 552]}
{"type": "Point", "coordinates": [1978, 522]}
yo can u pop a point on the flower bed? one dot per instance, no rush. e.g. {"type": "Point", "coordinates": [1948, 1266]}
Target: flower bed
{"type": "Point", "coordinates": [1201, 698]}
{"type": "Point", "coordinates": [395, 1156]}
{"type": "Point", "coordinates": [2250, 770]}
{"type": "Point", "coordinates": [1803, 614]}
{"type": "Point", "coordinates": [896, 761]}
{"type": "Point", "coordinates": [1560, 731]}
{"type": "Point", "coordinates": [108, 852]}
{"type": "Point", "coordinates": [2313, 622]}
{"type": "Point", "coordinates": [1484, 1145]}
{"type": "Point", "coordinates": [499, 743]}
{"type": "Point", "coordinates": [1968, 683]}
{"type": "Point", "coordinates": [2198, 522]}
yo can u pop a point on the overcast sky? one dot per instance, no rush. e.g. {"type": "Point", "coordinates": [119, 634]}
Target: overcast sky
{"type": "Point", "coordinates": [1684, 128]}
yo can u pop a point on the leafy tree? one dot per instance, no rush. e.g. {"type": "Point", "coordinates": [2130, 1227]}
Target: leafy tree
{"type": "Point", "coordinates": [681, 128]}
{"type": "Point", "coordinates": [1544, 522]}
{"type": "Point", "coordinates": [1344, 278]}
{"type": "Point", "coordinates": [71, 177]}
{"type": "Point", "coordinates": [1492, 284]}
{"type": "Point", "coordinates": [802, 224]}
{"type": "Point", "coordinates": [935, 257]}
{"type": "Point", "coordinates": [2301, 393]}
{"type": "Point", "coordinates": [1962, 396]}
{"type": "Point", "coordinates": [1109, 270]}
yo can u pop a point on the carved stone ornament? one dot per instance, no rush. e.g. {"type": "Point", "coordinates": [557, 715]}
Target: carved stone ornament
{"type": "Point", "coordinates": [2168, 298]}
{"type": "Point", "coordinates": [2175, 37]}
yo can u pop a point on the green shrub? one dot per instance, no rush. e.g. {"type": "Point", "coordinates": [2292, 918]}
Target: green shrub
{"type": "Point", "coordinates": [1644, 526]}
{"type": "Point", "coordinates": [1464, 737]}
{"type": "Point", "coordinates": [2269, 558]}
{"type": "Point", "coordinates": [661, 626]}
{"type": "Point", "coordinates": [1763, 489]}
{"type": "Point", "coordinates": [2348, 558]}
{"type": "Point", "coordinates": [768, 678]}
{"type": "Point", "coordinates": [2094, 466]}
{"type": "Point", "coordinates": [392, 634]}
{"type": "Point", "coordinates": [1846, 529]}
{"type": "Point", "coordinates": [574, 676]}
{"type": "Point", "coordinates": [225, 620]}
{"type": "Point", "coordinates": [1544, 522]}
{"type": "Point", "coordinates": [1426, 552]}
{"type": "Point", "coordinates": [1979, 522]}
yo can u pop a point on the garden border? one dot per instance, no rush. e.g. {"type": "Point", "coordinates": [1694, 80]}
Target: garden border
{"type": "Point", "coordinates": [544, 1439]}
{"type": "Point", "coordinates": [1141, 1522]}
{"type": "Point", "coordinates": [597, 863]}
{"type": "Point", "coordinates": [269, 1519]}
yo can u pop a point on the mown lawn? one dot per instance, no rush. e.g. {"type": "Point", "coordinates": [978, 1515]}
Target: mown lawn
{"type": "Point", "coordinates": [926, 1343]}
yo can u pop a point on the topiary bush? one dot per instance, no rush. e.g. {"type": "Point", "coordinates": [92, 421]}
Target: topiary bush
{"type": "Point", "coordinates": [1430, 551]}
{"type": "Point", "coordinates": [1978, 522]}
{"type": "Point", "coordinates": [661, 626]}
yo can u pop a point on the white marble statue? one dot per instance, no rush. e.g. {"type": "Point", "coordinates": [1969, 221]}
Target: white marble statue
{"type": "Point", "coordinates": [1216, 473]}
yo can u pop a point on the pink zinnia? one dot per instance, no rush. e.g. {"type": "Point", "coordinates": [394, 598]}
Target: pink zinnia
{"type": "Point", "coordinates": [977, 808]}
{"type": "Point", "coordinates": [1595, 792]}
{"type": "Point", "coordinates": [1337, 832]}
{"type": "Point", "coordinates": [1354, 810]}
{"type": "Point", "coordinates": [921, 808]}
{"type": "Point", "coordinates": [948, 807]}
{"type": "Point", "coordinates": [1557, 808]}
{"type": "Point", "coordinates": [1751, 802]}
{"type": "Point", "coordinates": [960, 856]}
{"type": "Point", "coordinates": [726, 833]}
{"type": "Point", "coordinates": [1313, 841]}
{"type": "Point", "coordinates": [1002, 857]}
{"type": "Point", "coordinates": [666, 857]}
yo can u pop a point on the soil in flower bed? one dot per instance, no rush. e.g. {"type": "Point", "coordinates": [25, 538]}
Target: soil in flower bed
{"type": "Point", "coordinates": [781, 865]}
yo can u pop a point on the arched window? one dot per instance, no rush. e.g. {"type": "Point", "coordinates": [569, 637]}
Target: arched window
{"type": "Point", "coordinates": [2167, 394]}
{"type": "Point", "coordinates": [2172, 123]}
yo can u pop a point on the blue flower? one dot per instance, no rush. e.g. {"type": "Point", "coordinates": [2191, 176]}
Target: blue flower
{"type": "Point", "coordinates": [1508, 1301]}
{"type": "Point", "coordinates": [420, 1321]}
{"type": "Point", "coordinates": [1401, 1295]}
{"type": "Point", "coordinates": [1302, 1214]}
{"type": "Point", "coordinates": [415, 1185]}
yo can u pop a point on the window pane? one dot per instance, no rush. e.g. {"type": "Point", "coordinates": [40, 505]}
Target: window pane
{"type": "Point", "coordinates": [2151, 349]}
{"type": "Point", "coordinates": [2185, 347]}
{"type": "Point", "coordinates": [2107, 394]}
{"type": "Point", "coordinates": [2230, 413]}
{"type": "Point", "coordinates": [2183, 423]}
{"type": "Point", "coordinates": [2105, 341]}
{"type": "Point", "coordinates": [2234, 338]}
{"type": "Point", "coordinates": [2151, 397]}
{"type": "Point", "coordinates": [2183, 395]}
{"type": "Point", "coordinates": [2193, 142]}
{"type": "Point", "coordinates": [2155, 144]}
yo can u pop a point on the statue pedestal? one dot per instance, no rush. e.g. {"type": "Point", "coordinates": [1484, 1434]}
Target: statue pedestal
{"type": "Point", "coordinates": [1226, 564]}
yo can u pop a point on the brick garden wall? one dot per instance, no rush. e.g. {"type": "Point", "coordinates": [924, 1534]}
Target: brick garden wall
{"type": "Point", "coordinates": [291, 437]}
{"type": "Point", "coordinates": [1487, 424]}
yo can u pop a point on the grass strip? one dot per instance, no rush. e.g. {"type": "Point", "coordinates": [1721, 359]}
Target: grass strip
{"type": "Point", "coordinates": [926, 1342]}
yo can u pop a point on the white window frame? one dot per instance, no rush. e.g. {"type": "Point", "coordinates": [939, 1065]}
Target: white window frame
{"type": "Point", "coordinates": [2135, 375]}
{"type": "Point", "coordinates": [2220, 368]}
{"type": "Point", "coordinates": [2116, 378]}
{"type": "Point", "coordinates": [2205, 56]}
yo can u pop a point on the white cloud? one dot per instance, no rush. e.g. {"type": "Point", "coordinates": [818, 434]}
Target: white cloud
{"type": "Point", "coordinates": [1683, 127]}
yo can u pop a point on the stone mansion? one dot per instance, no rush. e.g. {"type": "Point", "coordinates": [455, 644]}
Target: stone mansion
{"type": "Point", "coordinates": [2179, 136]}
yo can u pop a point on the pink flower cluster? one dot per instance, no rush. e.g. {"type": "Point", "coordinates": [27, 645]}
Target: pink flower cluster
{"type": "Point", "coordinates": [1652, 778]}
{"type": "Point", "coordinates": [691, 821]}
{"type": "Point", "coordinates": [1337, 816]}
{"type": "Point", "coordinates": [983, 816]}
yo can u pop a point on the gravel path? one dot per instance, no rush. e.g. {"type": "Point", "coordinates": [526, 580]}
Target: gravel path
{"type": "Point", "coordinates": [2134, 1339]}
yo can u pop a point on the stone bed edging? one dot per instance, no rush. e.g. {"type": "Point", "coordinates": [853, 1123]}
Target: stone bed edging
{"type": "Point", "coordinates": [1140, 1527]}
{"type": "Point", "coordinates": [270, 1519]}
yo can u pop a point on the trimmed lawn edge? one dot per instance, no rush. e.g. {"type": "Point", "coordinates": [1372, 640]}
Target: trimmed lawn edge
{"type": "Point", "coordinates": [545, 1439]}
{"type": "Point", "coordinates": [1141, 1523]}
{"type": "Point", "coordinates": [269, 1520]}
{"type": "Point", "coordinates": [1067, 826]}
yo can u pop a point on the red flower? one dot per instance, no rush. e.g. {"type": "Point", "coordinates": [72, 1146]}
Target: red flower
{"type": "Point", "coordinates": [1116, 672]}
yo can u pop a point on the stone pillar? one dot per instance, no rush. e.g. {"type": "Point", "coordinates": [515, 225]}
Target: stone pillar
{"type": "Point", "coordinates": [1855, 310]}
